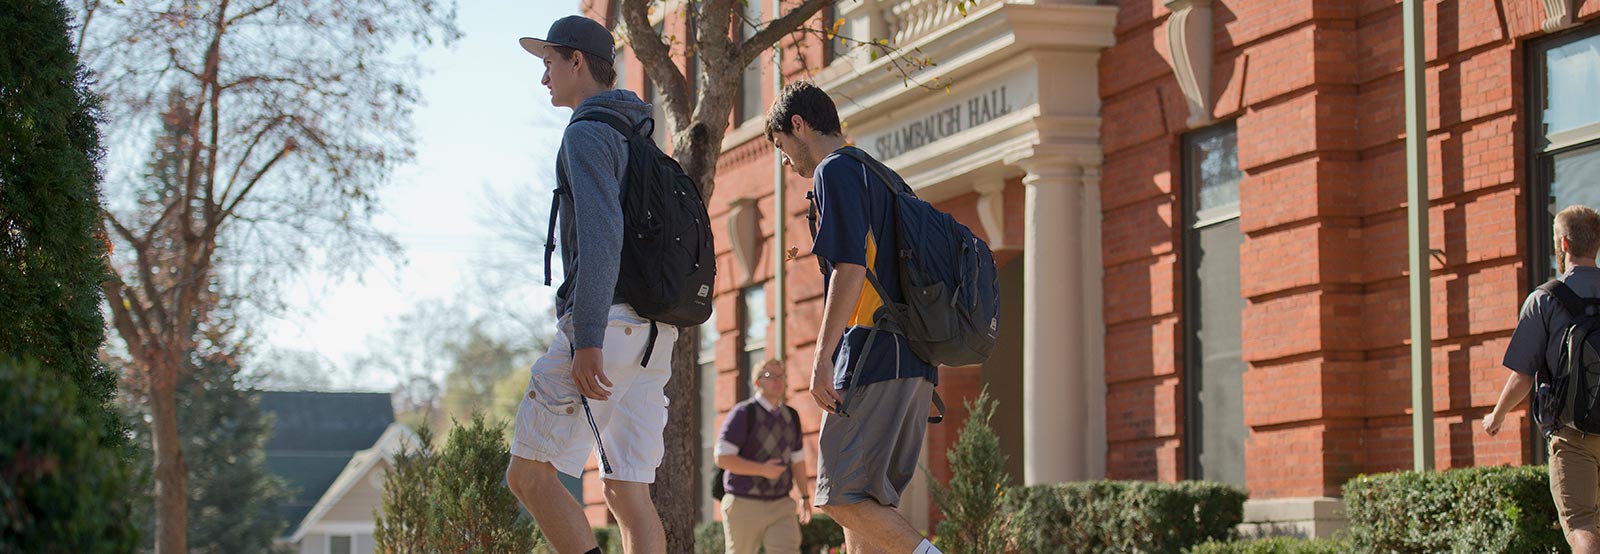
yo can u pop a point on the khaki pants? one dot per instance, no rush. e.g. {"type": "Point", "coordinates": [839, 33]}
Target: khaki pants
{"type": "Point", "coordinates": [748, 523]}
{"type": "Point", "coordinates": [1575, 477]}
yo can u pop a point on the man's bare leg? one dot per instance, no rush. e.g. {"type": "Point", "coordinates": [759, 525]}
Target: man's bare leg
{"type": "Point", "coordinates": [537, 487]}
{"type": "Point", "coordinates": [1584, 541]}
{"type": "Point", "coordinates": [636, 515]}
{"type": "Point", "coordinates": [854, 544]}
{"type": "Point", "coordinates": [876, 525]}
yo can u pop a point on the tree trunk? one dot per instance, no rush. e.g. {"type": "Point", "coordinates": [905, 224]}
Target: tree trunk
{"type": "Point", "coordinates": [676, 491]}
{"type": "Point", "coordinates": [172, 510]}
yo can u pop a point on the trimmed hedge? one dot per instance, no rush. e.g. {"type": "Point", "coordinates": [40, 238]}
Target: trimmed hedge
{"type": "Point", "coordinates": [1275, 545]}
{"type": "Point", "coordinates": [820, 533]}
{"type": "Point", "coordinates": [1486, 509]}
{"type": "Point", "coordinates": [1122, 516]}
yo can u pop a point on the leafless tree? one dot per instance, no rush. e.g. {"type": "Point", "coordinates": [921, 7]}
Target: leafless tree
{"type": "Point", "coordinates": [289, 118]}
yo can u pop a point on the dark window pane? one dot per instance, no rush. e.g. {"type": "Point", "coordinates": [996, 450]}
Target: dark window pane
{"type": "Point", "coordinates": [339, 544]}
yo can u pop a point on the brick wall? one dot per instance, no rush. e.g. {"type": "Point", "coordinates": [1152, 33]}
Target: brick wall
{"type": "Point", "coordinates": [1315, 89]}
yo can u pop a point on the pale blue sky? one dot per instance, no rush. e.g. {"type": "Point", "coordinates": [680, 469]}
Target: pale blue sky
{"type": "Point", "coordinates": [487, 126]}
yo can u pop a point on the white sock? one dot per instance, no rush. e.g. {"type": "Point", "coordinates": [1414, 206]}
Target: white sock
{"type": "Point", "coordinates": [926, 548]}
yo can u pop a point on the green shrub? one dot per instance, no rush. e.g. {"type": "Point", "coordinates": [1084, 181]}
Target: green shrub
{"type": "Point", "coordinates": [609, 539]}
{"type": "Point", "coordinates": [1486, 509]}
{"type": "Point", "coordinates": [822, 532]}
{"type": "Point", "coordinates": [61, 489]}
{"type": "Point", "coordinates": [708, 538]}
{"type": "Point", "coordinates": [971, 502]}
{"type": "Point", "coordinates": [453, 499]}
{"type": "Point", "coordinates": [1275, 545]}
{"type": "Point", "coordinates": [1121, 516]}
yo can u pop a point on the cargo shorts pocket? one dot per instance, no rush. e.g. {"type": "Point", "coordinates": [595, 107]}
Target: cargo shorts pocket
{"type": "Point", "coordinates": [555, 392]}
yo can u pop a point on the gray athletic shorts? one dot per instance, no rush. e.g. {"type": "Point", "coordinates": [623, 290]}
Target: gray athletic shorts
{"type": "Point", "coordinates": [872, 454]}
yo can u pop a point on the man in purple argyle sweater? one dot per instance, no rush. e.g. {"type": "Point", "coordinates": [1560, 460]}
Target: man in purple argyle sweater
{"type": "Point", "coordinates": [761, 451]}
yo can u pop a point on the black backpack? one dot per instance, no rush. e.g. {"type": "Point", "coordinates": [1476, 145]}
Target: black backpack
{"type": "Point", "coordinates": [718, 489]}
{"type": "Point", "coordinates": [951, 311]}
{"type": "Point", "coordinates": [1570, 392]}
{"type": "Point", "coordinates": [668, 257]}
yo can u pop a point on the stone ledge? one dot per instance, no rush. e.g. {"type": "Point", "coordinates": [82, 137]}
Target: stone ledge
{"type": "Point", "coordinates": [1313, 517]}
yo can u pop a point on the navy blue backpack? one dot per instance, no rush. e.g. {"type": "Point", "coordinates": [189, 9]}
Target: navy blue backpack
{"type": "Point", "coordinates": [951, 311]}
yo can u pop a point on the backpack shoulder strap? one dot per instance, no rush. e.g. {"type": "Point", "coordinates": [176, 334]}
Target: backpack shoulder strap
{"type": "Point", "coordinates": [622, 127]}
{"type": "Point", "coordinates": [1569, 300]}
{"type": "Point", "coordinates": [877, 167]}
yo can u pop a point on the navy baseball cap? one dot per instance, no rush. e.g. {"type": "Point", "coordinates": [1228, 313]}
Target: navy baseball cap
{"type": "Point", "coordinates": [576, 32]}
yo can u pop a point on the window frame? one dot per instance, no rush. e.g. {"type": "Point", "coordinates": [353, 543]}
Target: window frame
{"type": "Point", "coordinates": [746, 346]}
{"type": "Point", "coordinates": [1193, 222]}
{"type": "Point", "coordinates": [1540, 174]}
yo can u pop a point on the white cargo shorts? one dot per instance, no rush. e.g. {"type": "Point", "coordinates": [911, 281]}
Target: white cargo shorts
{"type": "Point", "coordinates": [552, 425]}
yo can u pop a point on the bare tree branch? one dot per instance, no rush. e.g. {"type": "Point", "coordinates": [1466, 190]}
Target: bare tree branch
{"type": "Point", "coordinates": [656, 57]}
{"type": "Point", "coordinates": [233, 205]}
{"type": "Point", "coordinates": [769, 35]}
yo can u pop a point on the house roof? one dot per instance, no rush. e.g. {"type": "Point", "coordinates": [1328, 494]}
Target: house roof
{"type": "Point", "coordinates": [315, 436]}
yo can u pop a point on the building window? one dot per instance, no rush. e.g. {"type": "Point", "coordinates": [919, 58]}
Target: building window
{"type": "Point", "coordinates": [1214, 366]}
{"type": "Point", "coordinates": [1564, 146]}
{"type": "Point", "coordinates": [834, 46]}
{"type": "Point", "coordinates": [750, 80]}
{"type": "Point", "coordinates": [1566, 137]}
{"type": "Point", "coordinates": [706, 362]}
{"type": "Point", "coordinates": [752, 335]}
{"type": "Point", "coordinates": [341, 544]}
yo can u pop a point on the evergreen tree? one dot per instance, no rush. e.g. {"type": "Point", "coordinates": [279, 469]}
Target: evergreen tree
{"type": "Point", "coordinates": [403, 524]}
{"type": "Point", "coordinates": [63, 456]}
{"type": "Point", "coordinates": [233, 498]}
{"type": "Point", "coordinates": [52, 254]}
{"type": "Point", "coordinates": [455, 499]}
{"type": "Point", "coordinates": [974, 515]}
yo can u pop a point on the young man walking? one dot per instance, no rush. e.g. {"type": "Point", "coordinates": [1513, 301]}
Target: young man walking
{"type": "Point", "coordinates": [591, 382]}
{"type": "Point", "coordinates": [1535, 345]}
{"type": "Point", "coordinates": [868, 447]}
{"type": "Point", "coordinates": [760, 448]}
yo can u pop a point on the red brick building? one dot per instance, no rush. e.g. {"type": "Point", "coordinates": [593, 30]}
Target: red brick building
{"type": "Point", "coordinates": [1198, 213]}
{"type": "Point", "coordinates": [1295, 158]}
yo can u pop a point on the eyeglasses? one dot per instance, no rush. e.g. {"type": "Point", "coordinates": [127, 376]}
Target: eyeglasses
{"type": "Point", "coordinates": [770, 375]}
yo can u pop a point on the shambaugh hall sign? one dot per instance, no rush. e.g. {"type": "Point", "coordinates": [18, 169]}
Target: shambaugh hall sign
{"type": "Point", "coordinates": [943, 120]}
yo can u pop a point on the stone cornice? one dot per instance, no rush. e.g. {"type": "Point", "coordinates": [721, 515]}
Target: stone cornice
{"type": "Point", "coordinates": [992, 34]}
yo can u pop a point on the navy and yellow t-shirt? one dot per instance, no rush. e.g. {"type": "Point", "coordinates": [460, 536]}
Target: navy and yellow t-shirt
{"type": "Point", "coordinates": [855, 225]}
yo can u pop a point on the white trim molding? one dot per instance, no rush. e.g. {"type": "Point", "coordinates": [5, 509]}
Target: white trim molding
{"type": "Point", "coordinates": [1557, 15]}
{"type": "Point", "coordinates": [1189, 39]}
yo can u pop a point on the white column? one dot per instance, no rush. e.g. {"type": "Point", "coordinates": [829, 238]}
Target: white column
{"type": "Point", "coordinates": [1055, 418]}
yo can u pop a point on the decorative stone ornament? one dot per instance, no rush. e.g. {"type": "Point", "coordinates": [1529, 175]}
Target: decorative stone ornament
{"type": "Point", "coordinates": [744, 231]}
{"type": "Point", "coordinates": [992, 211]}
{"type": "Point", "coordinates": [1557, 15]}
{"type": "Point", "coordinates": [1189, 39]}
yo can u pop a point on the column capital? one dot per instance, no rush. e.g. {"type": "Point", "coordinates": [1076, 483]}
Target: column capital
{"type": "Point", "coordinates": [1056, 162]}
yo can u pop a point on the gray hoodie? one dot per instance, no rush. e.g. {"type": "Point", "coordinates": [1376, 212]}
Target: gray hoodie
{"type": "Point", "coordinates": [594, 158]}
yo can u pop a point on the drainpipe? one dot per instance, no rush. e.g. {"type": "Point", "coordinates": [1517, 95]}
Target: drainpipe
{"type": "Point", "coordinates": [780, 215]}
{"type": "Point", "coordinates": [1417, 236]}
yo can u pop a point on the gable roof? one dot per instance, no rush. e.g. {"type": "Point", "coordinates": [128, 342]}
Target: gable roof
{"type": "Point", "coordinates": [397, 436]}
{"type": "Point", "coordinates": [315, 435]}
